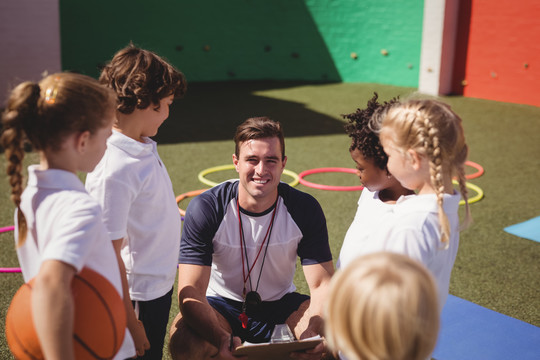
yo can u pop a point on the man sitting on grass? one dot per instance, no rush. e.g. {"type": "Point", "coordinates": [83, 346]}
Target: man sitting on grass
{"type": "Point", "coordinates": [238, 255]}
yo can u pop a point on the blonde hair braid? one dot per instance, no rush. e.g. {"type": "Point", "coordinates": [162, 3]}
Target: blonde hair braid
{"type": "Point", "coordinates": [434, 154]}
{"type": "Point", "coordinates": [462, 180]}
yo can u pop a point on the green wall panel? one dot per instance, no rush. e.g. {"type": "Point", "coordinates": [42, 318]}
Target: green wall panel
{"type": "Point", "coordinates": [368, 28]}
{"type": "Point", "coordinates": [220, 40]}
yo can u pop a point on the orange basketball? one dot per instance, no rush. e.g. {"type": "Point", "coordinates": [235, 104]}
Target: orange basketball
{"type": "Point", "coordinates": [100, 319]}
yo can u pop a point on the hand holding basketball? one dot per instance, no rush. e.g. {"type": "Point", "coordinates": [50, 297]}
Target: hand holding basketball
{"type": "Point", "coordinates": [100, 319]}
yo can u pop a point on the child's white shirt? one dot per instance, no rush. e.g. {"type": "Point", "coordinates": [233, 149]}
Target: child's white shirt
{"type": "Point", "coordinates": [412, 228]}
{"type": "Point", "coordinates": [368, 218]}
{"type": "Point", "coordinates": [64, 224]}
{"type": "Point", "coordinates": [132, 185]}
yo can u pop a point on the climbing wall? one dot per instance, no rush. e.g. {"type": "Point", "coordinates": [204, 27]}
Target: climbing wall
{"type": "Point", "coordinates": [375, 41]}
{"type": "Point", "coordinates": [212, 40]}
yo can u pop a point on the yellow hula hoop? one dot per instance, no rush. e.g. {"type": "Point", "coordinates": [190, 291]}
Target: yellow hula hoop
{"type": "Point", "coordinates": [214, 169]}
{"type": "Point", "coordinates": [479, 192]}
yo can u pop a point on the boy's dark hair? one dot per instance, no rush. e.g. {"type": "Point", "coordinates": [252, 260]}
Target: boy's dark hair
{"type": "Point", "coordinates": [363, 136]}
{"type": "Point", "coordinates": [141, 78]}
{"type": "Point", "coordinates": [259, 128]}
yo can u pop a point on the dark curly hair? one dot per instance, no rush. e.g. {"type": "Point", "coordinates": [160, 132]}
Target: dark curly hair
{"type": "Point", "coordinates": [141, 78]}
{"type": "Point", "coordinates": [363, 135]}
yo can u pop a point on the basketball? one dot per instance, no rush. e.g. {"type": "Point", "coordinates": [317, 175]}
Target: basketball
{"type": "Point", "coordinates": [100, 319]}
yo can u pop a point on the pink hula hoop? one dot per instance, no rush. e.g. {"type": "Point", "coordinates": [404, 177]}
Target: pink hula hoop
{"type": "Point", "coordinates": [8, 269]}
{"type": "Point", "coordinates": [328, 187]}
{"type": "Point", "coordinates": [7, 228]}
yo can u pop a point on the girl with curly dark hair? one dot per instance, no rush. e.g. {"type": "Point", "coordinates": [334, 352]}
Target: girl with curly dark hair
{"type": "Point", "coordinates": [381, 189]}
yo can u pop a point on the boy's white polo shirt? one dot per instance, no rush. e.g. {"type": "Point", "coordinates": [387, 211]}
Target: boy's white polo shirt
{"type": "Point", "coordinates": [133, 187]}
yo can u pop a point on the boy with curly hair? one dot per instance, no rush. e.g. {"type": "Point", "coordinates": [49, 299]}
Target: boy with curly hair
{"type": "Point", "coordinates": [132, 185]}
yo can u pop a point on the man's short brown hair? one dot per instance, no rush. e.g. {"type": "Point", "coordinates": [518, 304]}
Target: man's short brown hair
{"type": "Point", "coordinates": [259, 128]}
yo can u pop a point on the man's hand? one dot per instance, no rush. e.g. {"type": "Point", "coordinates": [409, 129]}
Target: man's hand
{"type": "Point", "coordinates": [311, 354]}
{"type": "Point", "coordinates": [227, 346]}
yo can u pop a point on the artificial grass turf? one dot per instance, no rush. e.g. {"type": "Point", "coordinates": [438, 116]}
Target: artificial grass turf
{"type": "Point", "coordinates": [493, 269]}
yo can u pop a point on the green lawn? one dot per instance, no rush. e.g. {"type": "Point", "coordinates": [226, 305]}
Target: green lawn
{"type": "Point", "coordinates": [493, 269]}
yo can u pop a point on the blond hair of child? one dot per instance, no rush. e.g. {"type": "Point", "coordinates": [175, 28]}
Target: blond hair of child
{"type": "Point", "coordinates": [382, 306]}
{"type": "Point", "coordinates": [429, 133]}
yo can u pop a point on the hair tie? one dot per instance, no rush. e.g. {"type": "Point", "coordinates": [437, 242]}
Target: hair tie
{"type": "Point", "coordinates": [50, 95]}
{"type": "Point", "coordinates": [52, 92]}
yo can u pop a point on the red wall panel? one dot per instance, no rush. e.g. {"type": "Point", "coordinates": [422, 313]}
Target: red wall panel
{"type": "Point", "coordinates": [503, 51]}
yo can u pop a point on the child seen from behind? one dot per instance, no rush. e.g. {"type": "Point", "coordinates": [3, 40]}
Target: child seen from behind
{"type": "Point", "coordinates": [382, 306]}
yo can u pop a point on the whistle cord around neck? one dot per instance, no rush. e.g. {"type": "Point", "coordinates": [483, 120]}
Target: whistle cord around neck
{"type": "Point", "coordinates": [265, 251]}
{"type": "Point", "coordinates": [243, 244]}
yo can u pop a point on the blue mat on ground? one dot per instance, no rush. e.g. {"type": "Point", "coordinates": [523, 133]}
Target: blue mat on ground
{"type": "Point", "coordinates": [529, 229]}
{"type": "Point", "coordinates": [470, 331]}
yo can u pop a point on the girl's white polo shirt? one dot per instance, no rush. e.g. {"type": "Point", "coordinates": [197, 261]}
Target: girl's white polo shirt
{"type": "Point", "coordinates": [412, 228]}
{"type": "Point", "coordinates": [65, 224]}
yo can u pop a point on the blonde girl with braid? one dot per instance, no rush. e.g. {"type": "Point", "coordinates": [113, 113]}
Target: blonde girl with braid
{"type": "Point", "coordinates": [425, 144]}
{"type": "Point", "coordinates": [67, 119]}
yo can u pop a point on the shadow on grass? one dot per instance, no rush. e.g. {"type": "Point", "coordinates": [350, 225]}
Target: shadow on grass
{"type": "Point", "coordinates": [211, 111]}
